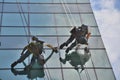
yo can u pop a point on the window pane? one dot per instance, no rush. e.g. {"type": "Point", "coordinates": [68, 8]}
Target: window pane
{"type": "Point", "coordinates": [67, 20]}
{"type": "Point", "coordinates": [7, 74]}
{"type": "Point", "coordinates": [88, 19]}
{"type": "Point", "coordinates": [13, 31]}
{"type": "Point", "coordinates": [71, 1]}
{"type": "Point", "coordinates": [83, 1]}
{"type": "Point", "coordinates": [106, 74]}
{"type": "Point", "coordinates": [100, 58]}
{"type": "Point", "coordinates": [38, 30]}
{"type": "Point", "coordinates": [11, 56]}
{"type": "Point", "coordinates": [18, 7]}
{"type": "Point", "coordinates": [41, 20]}
{"type": "Point", "coordinates": [13, 19]}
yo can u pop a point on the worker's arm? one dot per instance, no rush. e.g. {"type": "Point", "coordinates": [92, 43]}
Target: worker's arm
{"type": "Point", "coordinates": [24, 50]}
{"type": "Point", "coordinates": [53, 48]}
{"type": "Point", "coordinates": [50, 46]}
{"type": "Point", "coordinates": [88, 35]}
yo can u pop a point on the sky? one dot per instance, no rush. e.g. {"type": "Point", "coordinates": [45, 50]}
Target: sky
{"type": "Point", "coordinates": [107, 14]}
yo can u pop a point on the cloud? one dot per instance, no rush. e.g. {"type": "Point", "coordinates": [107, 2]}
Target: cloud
{"type": "Point", "coordinates": [108, 17]}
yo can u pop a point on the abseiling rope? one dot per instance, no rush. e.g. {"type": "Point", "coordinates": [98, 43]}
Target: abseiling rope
{"type": "Point", "coordinates": [22, 18]}
{"type": "Point", "coordinates": [79, 13]}
{"type": "Point", "coordinates": [64, 8]}
{"type": "Point", "coordinates": [1, 18]}
{"type": "Point", "coordinates": [58, 51]}
{"type": "Point", "coordinates": [71, 16]}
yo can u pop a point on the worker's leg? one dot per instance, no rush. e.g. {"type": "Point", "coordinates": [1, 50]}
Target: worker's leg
{"type": "Point", "coordinates": [21, 59]}
{"type": "Point", "coordinates": [71, 46]}
{"type": "Point", "coordinates": [67, 42]}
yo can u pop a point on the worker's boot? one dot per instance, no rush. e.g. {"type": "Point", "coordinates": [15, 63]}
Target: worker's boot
{"type": "Point", "coordinates": [62, 45]}
{"type": "Point", "coordinates": [68, 49]}
{"type": "Point", "coordinates": [62, 60]}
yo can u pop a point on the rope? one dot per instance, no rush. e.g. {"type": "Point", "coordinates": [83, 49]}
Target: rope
{"type": "Point", "coordinates": [48, 72]}
{"type": "Point", "coordinates": [21, 11]}
{"type": "Point", "coordinates": [94, 68]}
{"type": "Point", "coordinates": [79, 14]}
{"type": "Point", "coordinates": [1, 18]}
{"type": "Point", "coordinates": [28, 23]}
{"type": "Point", "coordinates": [29, 33]}
{"type": "Point", "coordinates": [70, 13]}
{"type": "Point", "coordinates": [59, 51]}
{"type": "Point", "coordinates": [87, 74]}
{"type": "Point", "coordinates": [79, 75]}
{"type": "Point", "coordinates": [66, 13]}
{"type": "Point", "coordinates": [46, 75]}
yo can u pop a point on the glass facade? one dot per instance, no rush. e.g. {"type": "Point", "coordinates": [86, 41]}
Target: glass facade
{"type": "Point", "coordinates": [50, 21]}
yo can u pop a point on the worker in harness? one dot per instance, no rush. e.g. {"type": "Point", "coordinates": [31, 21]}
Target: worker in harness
{"type": "Point", "coordinates": [81, 36]}
{"type": "Point", "coordinates": [36, 69]}
{"type": "Point", "coordinates": [75, 58]}
{"type": "Point", "coordinates": [35, 48]}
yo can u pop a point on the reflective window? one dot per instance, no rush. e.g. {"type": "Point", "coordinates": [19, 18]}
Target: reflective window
{"type": "Point", "coordinates": [50, 21]}
{"type": "Point", "coordinates": [41, 20]}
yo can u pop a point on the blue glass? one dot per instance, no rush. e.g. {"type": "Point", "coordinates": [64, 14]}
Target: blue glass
{"type": "Point", "coordinates": [41, 20]}
{"type": "Point", "coordinates": [13, 19]}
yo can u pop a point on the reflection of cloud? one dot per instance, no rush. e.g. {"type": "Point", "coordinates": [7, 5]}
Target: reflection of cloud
{"type": "Point", "coordinates": [108, 20]}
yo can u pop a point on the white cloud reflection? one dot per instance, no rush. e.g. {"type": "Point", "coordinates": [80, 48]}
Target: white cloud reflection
{"type": "Point", "coordinates": [108, 18]}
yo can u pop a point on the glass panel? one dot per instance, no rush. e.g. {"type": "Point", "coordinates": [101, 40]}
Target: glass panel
{"type": "Point", "coordinates": [0, 7]}
{"type": "Point", "coordinates": [100, 58]}
{"type": "Point", "coordinates": [20, 30]}
{"type": "Point", "coordinates": [16, 7]}
{"type": "Point", "coordinates": [13, 42]}
{"type": "Point", "coordinates": [84, 8]}
{"type": "Point", "coordinates": [41, 20]}
{"type": "Point", "coordinates": [15, 0]}
{"type": "Point", "coordinates": [11, 56]}
{"type": "Point", "coordinates": [42, 1]}
{"type": "Point", "coordinates": [67, 19]}
{"type": "Point", "coordinates": [71, 74]}
{"type": "Point", "coordinates": [71, 1]}
{"type": "Point", "coordinates": [13, 19]}
{"type": "Point", "coordinates": [48, 76]}
{"type": "Point", "coordinates": [95, 42]}
{"type": "Point", "coordinates": [64, 1]}
{"type": "Point", "coordinates": [61, 20]}
{"type": "Point", "coordinates": [47, 20]}
{"type": "Point", "coordinates": [106, 74]}
{"type": "Point", "coordinates": [54, 60]}
{"type": "Point", "coordinates": [83, 1]}
{"type": "Point", "coordinates": [18, 42]}
{"type": "Point", "coordinates": [47, 8]}
{"type": "Point", "coordinates": [7, 74]}
{"type": "Point", "coordinates": [88, 19]}
{"type": "Point", "coordinates": [13, 31]}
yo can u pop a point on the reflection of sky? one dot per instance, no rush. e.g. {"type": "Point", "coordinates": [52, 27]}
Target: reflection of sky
{"type": "Point", "coordinates": [46, 20]}
{"type": "Point", "coordinates": [117, 5]}
{"type": "Point", "coordinates": [108, 18]}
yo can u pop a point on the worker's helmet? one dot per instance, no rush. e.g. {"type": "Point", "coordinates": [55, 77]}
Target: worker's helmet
{"type": "Point", "coordinates": [84, 27]}
{"type": "Point", "coordinates": [34, 38]}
